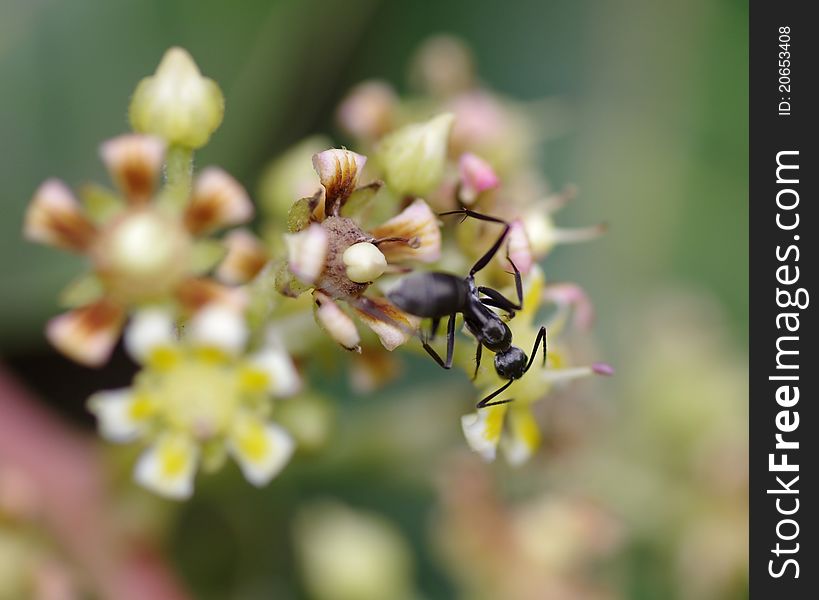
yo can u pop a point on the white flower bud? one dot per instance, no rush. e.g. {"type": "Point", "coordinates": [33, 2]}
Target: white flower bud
{"type": "Point", "coordinates": [413, 157]}
{"type": "Point", "coordinates": [364, 262]}
{"type": "Point", "coordinates": [177, 103]}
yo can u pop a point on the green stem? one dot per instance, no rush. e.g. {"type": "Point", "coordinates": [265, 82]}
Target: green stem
{"type": "Point", "coordinates": [178, 176]}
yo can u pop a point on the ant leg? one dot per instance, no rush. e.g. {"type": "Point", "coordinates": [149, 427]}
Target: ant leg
{"type": "Point", "coordinates": [471, 213]}
{"type": "Point", "coordinates": [483, 260]}
{"type": "Point", "coordinates": [486, 401]}
{"type": "Point", "coordinates": [477, 359]}
{"type": "Point", "coordinates": [518, 282]}
{"type": "Point", "coordinates": [541, 337]}
{"type": "Point", "coordinates": [498, 300]}
{"type": "Point", "coordinates": [450, 346]}
{"type": "Point", "coordinates": [433, 328]}
{"type": "Point", "coordinates": [412, 242]}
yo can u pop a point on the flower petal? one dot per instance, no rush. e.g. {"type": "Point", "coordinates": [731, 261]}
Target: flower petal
{"type": "Point", "coordinates": [307, 253]}
{"type": "Point", "coordinates": [392, 326]}
{"type": "Point", "coordinates": [55, 217]}
{"type": "Point", "coordinates": [217, 326]}
{"type": "Point", "coordinates": [523, 436]}
{"type": "Point", "coordinates": [336, 322]}
{"type": "Point", "coordinates": [246, 257]}
{"type": "Point", "coordinates": [417, 228]}
{"type": "Point", "coordinates": [282, 377]}
{"type": "Point", "coordinates": [87, 334]}
{"type": "Point", "coordinates": [196, 292]}
{"type": "Point", "coordinates": [416, 223]}
{"type": "Point", "coordinates": [338, 171]}
{"type": "Point", "coordinates": [217, 201]}
{"type": "Point", "coordinates": [482, 429]}
{"type": "Point", "coordinates": [134, 162]}
{"type": "Point", "coordinates": [168, 467]}
{"type": "Point", "coordinates": [261, 450]}
{"type": "Point", "coordinates": [532, 295]}
{"type": "Point", "coordinates": [150, 329]}
{"type": "Point", "coordinates": [121, 415]}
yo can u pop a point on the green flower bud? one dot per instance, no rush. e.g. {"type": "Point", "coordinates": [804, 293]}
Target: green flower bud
{"type": "Point", "coordinates": [177, 103]}
{"type": "Point", "coordinates": [414, 156]}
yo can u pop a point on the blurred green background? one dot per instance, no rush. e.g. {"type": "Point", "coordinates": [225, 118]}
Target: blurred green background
{"type": "Point", "coordinates": [653, 131]}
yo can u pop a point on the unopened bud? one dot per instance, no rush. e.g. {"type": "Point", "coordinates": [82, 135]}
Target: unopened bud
{"type": "Point", "coordinates": [177, 103]}
{"type": "Point", "coordinates": [476, 176]}
{"type": "Point", "coordinates": [364, 262]}
{"type": "Point", "coordinates": [368, 110]}
{"type": "Point", "coordinates": [413, 157]}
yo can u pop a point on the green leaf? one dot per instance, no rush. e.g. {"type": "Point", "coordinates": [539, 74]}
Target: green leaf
{"type": "Point", "coordinates": [302, 210]}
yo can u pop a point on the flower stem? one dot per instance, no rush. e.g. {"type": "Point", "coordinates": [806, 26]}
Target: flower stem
{"type": "Point", "coordinates": [178, 177]}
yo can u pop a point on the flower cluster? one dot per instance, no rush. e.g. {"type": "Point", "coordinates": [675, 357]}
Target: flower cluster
{"type": "Point", "coordinates": [220, 326]}
{"type": "Point", "coordinates": [206, 384]}
{"type": "Point", "coordinates": [480, 153]}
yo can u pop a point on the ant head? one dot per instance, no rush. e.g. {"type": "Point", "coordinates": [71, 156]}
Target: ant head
{"type": "Point", "coordinates": [511, 363]}
{"type": "Point", "coordinates": [496, 336]}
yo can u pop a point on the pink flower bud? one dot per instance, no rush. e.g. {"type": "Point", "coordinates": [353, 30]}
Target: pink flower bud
{"type": "Point", "coordinates": [476, 176]}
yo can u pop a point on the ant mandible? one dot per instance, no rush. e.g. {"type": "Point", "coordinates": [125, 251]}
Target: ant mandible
{"type": "Point", "coordinates": [437, 295]}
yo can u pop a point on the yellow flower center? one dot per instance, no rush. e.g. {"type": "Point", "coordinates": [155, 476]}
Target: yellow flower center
{"type": "Point", "coordinates": [142, 255]}
{"type": "Point", "coordinates": [195, 393]}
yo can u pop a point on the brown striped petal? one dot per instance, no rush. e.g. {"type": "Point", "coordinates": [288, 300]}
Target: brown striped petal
{"type": "Point", "coordinates": [416, 224]}
{"type": "Point", "coordinates": [195, 293]}
{"type": "Point", "coordinates": [134, 162]}
{"type": "Point", "coordinates": [87, 334]}
{"type": "Point", "coordinates": [217, 201]}
{"type": "Point", "coordinates": [392, 326]}
{"type": "Point", "coordinates": [246, 256]}
{"type": "Point", "coordinates": [55, 217]}
{"type": "Point", "coordinates": [338, 171]}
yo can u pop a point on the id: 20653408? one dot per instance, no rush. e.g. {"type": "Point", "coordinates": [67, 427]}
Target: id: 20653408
{"type": "Point", "coordinates": [784, 71]}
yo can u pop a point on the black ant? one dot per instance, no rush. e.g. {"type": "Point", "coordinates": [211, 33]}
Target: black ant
{"type": "Point", "coordinates": [436, 295]}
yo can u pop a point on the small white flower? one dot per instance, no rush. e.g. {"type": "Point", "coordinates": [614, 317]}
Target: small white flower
{"type": "Point", "coordinates": [196, 393]}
